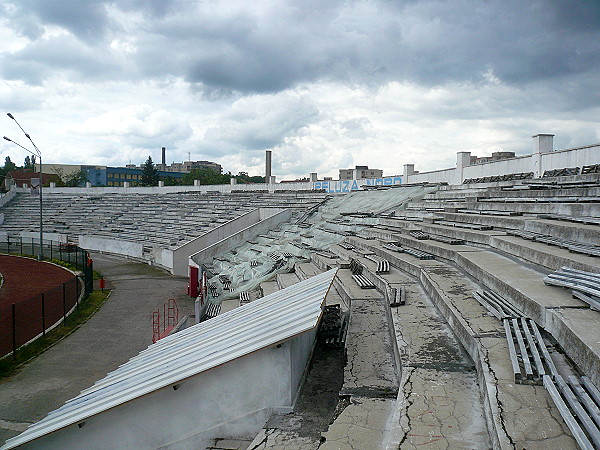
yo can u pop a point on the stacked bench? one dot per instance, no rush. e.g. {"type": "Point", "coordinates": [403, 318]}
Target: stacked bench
{"type": "Point", "coordinates": [584, 285]}
{"type": "Point", "coordinates": [572, 246]}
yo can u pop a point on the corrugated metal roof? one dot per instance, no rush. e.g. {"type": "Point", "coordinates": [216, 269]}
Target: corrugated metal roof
{"type": "Point", "coordinates": [251, 327]}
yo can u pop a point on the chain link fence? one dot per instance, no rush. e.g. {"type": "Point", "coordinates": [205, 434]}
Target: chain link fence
{"type": "Point", "coordinates": [23, 321]}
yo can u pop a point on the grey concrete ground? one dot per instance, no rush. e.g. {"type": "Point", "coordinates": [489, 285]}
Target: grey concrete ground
{"type": "Point", "coordinates": [117, 332]}
{"type": "Point", "coordinates": [439, 400]}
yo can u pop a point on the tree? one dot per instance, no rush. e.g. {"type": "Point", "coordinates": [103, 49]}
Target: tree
{"type": "Point", "coordinates": [149, 173]}
{"type": "Point", "coordinates": [77, 178]}
{"type": "Point", "coordinates": [9, 165]}
{"type": "Point", "coordinates": [243, 177]}
{"type": "Point", "coordinates": [206, 176]}
{"type": "Point", "coordinates": [171, 181]}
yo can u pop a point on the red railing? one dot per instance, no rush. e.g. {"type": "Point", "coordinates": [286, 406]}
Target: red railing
{"type": "Point", "coordinates": [162, 324]}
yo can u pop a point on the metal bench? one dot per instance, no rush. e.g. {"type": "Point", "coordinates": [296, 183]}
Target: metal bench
{"type": "Point", "coordinates": [346, 246]}
{"type": "Point", "coordinates": [333, 327]}
{"type": "Point", "coordinates": [579, 281]}
{"type": "Point", "coordinates": [383, 266]}
{"type": "Point", "coordinates": [582, 422]}
{"type": "Point", "coordinates": [392, 247]}
{"type": "Point", "coordinates": [363, 282]}
{"type": "Point", "coordinates": [523, 234]}
{"type": "Point", "coordinates": [212, 310]}
{"type": "Point", "coordinates": [417, 253]}
{"type": "Point", "coordinates": [418, 234]}
{"type": "Point", "coordinates": [274, 256]}
{"type": "Point", "coordinates": [398, 297]}
{"type": "Point", "coordinates": [498, 306]}
{"type": "Point", "coordinates": [529, 355]}
{"type": "Point", "coordinates": [355, 267]}
{"type": "Point", "coordinates": [244, 297]}
{"type": "Point", "coordinates": [445, 239]}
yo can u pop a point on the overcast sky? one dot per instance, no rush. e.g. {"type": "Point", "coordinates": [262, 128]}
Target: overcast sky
{"type": "Point", "coordinates": [324, 84]}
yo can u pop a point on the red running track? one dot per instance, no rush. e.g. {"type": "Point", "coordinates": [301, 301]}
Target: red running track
{"type": "Point", "coordinates": [25, 279]}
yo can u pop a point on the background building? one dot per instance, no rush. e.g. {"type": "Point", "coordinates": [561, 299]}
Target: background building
{"type": "Point", "coordinates": [360, 172]}
{"type": "Point", "coordinates": [117, 176]}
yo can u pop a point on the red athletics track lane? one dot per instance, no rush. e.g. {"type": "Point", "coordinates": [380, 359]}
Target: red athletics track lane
{"type": "Point", "coordinates": [25, 278]}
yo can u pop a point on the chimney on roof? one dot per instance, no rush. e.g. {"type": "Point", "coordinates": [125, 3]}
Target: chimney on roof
{"type": "Point", "coordinates": [543, 143]}
{"type": "Point", "coordinates": [164, 157]}
{"type": "Point", "coordinates": [268, 166]}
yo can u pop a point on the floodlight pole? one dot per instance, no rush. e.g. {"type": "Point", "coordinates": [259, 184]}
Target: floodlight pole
{"type": "Point", "coordinates": [39, 155]}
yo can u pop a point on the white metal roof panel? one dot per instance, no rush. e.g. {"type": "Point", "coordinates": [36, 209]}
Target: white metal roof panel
{"type": "Point", "coordinates": [251, 327]}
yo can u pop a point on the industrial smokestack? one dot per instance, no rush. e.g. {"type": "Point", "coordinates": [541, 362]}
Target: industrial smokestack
{"type": "Point", "coordinates": [268, 166]}
{"type": "Point", "coordinates": [164, 157]}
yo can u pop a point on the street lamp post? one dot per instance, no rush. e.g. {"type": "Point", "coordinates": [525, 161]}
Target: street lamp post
{"type": "Point", "coordinates": [38, 153]}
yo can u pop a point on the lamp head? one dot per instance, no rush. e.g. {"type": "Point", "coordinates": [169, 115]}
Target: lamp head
{"type": "Point", "coordinates": [10, 115]}
{"type": "Point", "coordinates": [8, 139]}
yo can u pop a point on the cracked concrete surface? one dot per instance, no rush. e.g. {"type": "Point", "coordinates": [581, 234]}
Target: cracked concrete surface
{"type": "Point", "coordinates": [529, 415]}
{"type": "Point", "coordinates": [370, 366]}
{"type": "Point", "coordinates": [525, 414]}
{"type": "Point", "coordinates": [271, 438]}
{"type": "Point", "coordinates": [440, 409]}
{"type": "Point", "coordinates": [439, 402]}
{"type": "Point", "coordinates": [361, 425]}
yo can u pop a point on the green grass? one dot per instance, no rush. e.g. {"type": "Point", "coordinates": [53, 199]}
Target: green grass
{"type": "Point", "coordinates": [87, 308]}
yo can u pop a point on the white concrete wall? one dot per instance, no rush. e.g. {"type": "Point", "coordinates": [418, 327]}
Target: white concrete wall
{"type": "Point", "coordinates": [223, 188]}
{"type": "Point", "coordinates": [230, 401]}
{"type": "Point", "coordinates": [537, 163]}
{"type": "Point", "coordinates": [34, 236]}
{"type": "Point", "coordinates": [111, 245]}
{"type": "Point", "coordinates": [436, 176]}
{"type": "Point", "coordinates": [301, 349]}
{"type": "Point", "coordinates": [7, 197]}
{"type": "Point", "coordinates": [206, 255]}
{"type": "Point", "coordinates": [501, 167]}
{"type": "Point", "coordinates": [570, 158]}
{"type": "Point", "coordinates": [180, 255]}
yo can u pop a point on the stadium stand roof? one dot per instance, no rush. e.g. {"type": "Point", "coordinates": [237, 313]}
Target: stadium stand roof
{"type": "Point", "coordinates": [265, 322]}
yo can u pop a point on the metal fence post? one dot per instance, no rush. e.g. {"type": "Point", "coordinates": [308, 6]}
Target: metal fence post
{"type": "Point", "coordinates": [64, 304]}
{"type": "Point", "coordinates": [77, 287]}
{"type": "Point", "coordinates": [50, 249]}
{"type": "Point", "coordinates": [21, 244]}
{"type": "Point", "coordinates": [14, 332]}
{"type": "Point", "coordinates": [43, 316]}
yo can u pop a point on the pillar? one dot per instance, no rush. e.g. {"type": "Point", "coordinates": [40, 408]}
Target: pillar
{"type": "Point", "coordinates": [542, 143]}
{"type": "Point", "coordinates": [463, 159]}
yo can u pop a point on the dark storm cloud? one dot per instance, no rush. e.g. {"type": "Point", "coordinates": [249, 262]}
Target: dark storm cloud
{"type": "Point", "coordinates": [259, 123]}
{"type": "Point", "coordinates": [86, 19]}
{"type": "Point", "coordinates": [261, 48]}
{"type": "Point", "coordinates": [56, 55]}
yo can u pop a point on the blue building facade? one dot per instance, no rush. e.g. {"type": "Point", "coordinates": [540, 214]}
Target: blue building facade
{"type": "Point", "coordinates": [117, 176]}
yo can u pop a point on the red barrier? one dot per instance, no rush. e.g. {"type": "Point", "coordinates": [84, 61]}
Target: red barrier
{"type": "Point", "coordinates": [193, 286]}
{"type": "Point", "coordinates": [163, 324]}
